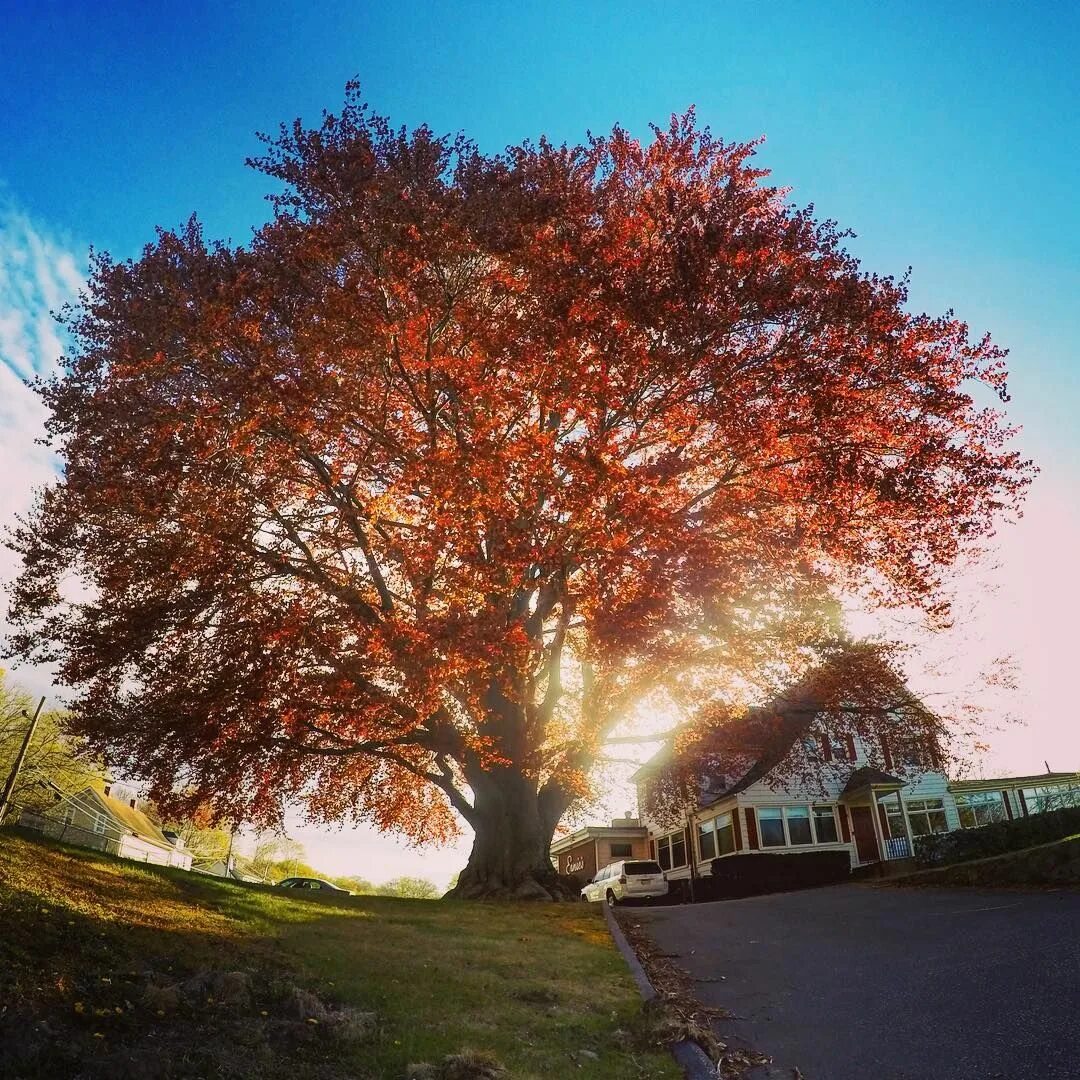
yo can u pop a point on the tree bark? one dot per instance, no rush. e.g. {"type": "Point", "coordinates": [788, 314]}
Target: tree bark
{"type": "Point", "coordinates": [511, 853]}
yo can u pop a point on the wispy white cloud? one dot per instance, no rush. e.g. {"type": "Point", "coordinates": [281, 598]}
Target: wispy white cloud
{"type": "Point", "coordinates": [39, 273]}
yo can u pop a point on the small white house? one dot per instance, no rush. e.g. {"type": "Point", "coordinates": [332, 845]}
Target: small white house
{"type": "Point", "coordinates": [95, 819]}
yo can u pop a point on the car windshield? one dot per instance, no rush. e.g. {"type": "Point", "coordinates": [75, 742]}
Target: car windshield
{"type": "Point", "coordinates": [637, 868]}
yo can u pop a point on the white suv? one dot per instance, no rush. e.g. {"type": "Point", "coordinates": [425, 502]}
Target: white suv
{"type": "Point", "coordinates": [628, 879]}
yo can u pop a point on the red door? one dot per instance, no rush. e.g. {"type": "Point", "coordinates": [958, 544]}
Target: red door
{"type": "Point", "coordinates": [862, 824]}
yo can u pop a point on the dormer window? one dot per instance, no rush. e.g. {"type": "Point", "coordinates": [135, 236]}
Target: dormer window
{"type": "Point", "coordinates": [836, 747]}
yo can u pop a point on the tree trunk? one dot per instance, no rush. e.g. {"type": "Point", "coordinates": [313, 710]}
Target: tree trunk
{"type": "Point", "coordinates": [513, 825]}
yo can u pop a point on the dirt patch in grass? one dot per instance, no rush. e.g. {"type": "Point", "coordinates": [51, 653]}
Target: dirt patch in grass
{"type": "Point", "coordinates": [466, 1066]}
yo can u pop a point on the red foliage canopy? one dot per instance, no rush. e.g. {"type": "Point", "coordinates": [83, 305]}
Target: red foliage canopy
{"type": "Point", "coordinates": [463, 455]}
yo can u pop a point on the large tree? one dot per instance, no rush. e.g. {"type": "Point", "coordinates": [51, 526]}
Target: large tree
{"type": "Point", "coordinates": [405, 506]}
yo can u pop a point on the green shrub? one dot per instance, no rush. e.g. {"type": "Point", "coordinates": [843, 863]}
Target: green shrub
{"type": "Point", "coordinates": [942, 849]}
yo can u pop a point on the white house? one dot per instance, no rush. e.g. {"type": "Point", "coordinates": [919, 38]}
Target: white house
{"type": "Point", "coordinates": [95, 819]}
{"type": "Point", "coordinates": [856, 807]}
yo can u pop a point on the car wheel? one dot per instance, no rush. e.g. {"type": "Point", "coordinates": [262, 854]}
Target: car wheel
{"type": "Point", "coordinates": [584, 899]}
{"type": "Point", "coordinates": [611, 900]}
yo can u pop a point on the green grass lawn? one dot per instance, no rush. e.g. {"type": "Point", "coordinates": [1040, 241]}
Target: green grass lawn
{"type": "Point", "coordinates": [1053, 864]}
{"type": "Point", "coordinates": [89, 944]}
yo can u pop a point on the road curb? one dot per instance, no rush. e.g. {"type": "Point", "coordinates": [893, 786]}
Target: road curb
{"type": "Point", "coordinates": [694, 1061]}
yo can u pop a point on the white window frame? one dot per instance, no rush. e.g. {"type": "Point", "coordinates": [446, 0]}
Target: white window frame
{"type": "Point", "coordinates": [758, 810]}
{"type": "Point", "coordinates": [839, 750]}
{"type": "Point", "coordinates": [808, 817]}
{"type": "Point", "coordinates": [917, 808]}
{"type": "Point", "coordinates": [668, 841]}
{"type": "Point", "coordinates": [1059, 796]}
{"type": "Point", "coordinates": [713, 827]}
{"type": "Point", "coordinates": [973, 801]}
{"type": "Point", "coordinates": [895, 811]}
{"type": "Point", "coordinates": [809, 808]}
{"type": "Point", "coordinates": [99, 824]}
{"type": "Point", "coordinates": [783, 820]}
{"type": "Point", "coordinates": [831, 807]}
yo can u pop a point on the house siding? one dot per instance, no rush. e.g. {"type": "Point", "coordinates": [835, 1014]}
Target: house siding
{"type": "Point", "coordinates": [78, 830]}
{"type": "Point", "coordinates": [134, 847]}
{"type": "Point", "coordinates": [639, 849]}
{"type": "Point", "coordinates": [927, 785]}
{"type": "Point", "coordinates": [835, 770]}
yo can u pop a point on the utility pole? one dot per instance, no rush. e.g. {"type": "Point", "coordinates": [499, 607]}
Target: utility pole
{"type": "Point", "coordinates": [9, 787]}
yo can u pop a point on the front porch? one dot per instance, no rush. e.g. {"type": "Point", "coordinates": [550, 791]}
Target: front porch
{"type": "Point", "coordinates": [879, 829]}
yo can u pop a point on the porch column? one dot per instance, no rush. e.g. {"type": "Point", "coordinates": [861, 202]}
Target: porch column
{"type": "Point", "coordinates": [875, 813]}
{"type": "Point", "coordinates": [907, 825]}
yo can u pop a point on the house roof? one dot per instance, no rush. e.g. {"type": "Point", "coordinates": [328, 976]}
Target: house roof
{"type": "Point", "coordinates": [867, 776]}
{"type": "Point", "coordinates": [997, 782]}
{"type": "Point", "coordinates": [132, 820]}
{"type": "Point", "coordinates": [753, 731]}
{"type": "Point", "coordinates": [662, 756]}
{"type": "Point", "coordinates": [764, 735]}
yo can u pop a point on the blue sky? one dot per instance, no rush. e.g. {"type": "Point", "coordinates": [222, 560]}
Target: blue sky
{"type": "Point", "coordinates": [949, 140]}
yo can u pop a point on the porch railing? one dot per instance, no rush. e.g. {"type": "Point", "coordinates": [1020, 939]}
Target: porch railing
{"type": "Point", "coordinates": [897, 847]}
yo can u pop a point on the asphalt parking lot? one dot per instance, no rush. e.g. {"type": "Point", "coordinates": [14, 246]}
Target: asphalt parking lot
{"type": "Point", "coordinates": [861, 983]}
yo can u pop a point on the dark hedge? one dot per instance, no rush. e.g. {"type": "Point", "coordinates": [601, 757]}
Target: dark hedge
{"type": "Point", "coordinates": [942, 849]}
{"type": "Point", "coordinates": [752, 874]}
